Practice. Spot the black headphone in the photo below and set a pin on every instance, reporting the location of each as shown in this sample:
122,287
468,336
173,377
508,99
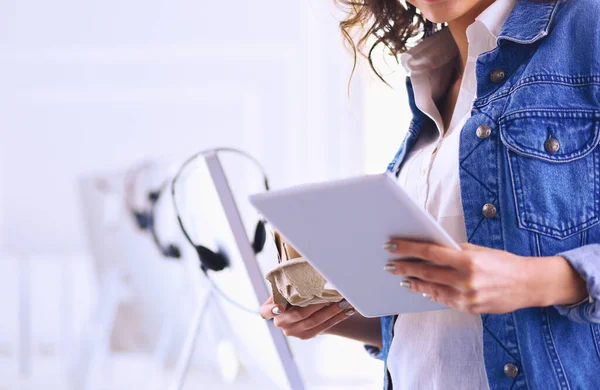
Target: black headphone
209,260
145,219
217,261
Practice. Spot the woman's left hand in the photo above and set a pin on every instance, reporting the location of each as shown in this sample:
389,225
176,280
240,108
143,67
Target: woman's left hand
483,280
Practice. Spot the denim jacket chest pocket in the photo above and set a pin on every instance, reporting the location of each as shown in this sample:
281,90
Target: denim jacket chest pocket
554,163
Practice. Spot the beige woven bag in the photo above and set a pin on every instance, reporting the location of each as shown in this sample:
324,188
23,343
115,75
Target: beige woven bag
294,281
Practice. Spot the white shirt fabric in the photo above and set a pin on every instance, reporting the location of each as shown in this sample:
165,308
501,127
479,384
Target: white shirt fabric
442,349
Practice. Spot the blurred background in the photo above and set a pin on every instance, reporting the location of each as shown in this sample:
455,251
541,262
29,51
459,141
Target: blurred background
100,102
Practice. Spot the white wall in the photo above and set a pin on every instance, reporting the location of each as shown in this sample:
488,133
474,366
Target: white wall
96,86
386,110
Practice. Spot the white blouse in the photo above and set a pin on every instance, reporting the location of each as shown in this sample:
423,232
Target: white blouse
442,349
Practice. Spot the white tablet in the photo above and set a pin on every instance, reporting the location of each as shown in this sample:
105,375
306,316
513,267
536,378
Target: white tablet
340,227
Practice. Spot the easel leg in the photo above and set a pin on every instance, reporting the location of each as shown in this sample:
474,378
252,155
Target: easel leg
183,363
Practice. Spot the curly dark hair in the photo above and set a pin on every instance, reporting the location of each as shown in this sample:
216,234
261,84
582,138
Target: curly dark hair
388,22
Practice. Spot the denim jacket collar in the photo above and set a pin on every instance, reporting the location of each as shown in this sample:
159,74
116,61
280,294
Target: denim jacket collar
529,21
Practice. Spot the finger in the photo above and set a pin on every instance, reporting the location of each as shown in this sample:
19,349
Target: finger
427,272
321,316
270,310
423,250
296,314
330,323
439,293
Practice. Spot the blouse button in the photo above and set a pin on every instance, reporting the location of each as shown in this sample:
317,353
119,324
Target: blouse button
552,145
497,76
510,370
483,131
489,210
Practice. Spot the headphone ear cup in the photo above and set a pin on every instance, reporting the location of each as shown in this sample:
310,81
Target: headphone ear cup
211,260
142,219
260,236
153,196
172,251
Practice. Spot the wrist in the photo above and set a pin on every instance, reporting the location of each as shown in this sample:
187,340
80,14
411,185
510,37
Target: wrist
538,283
558,283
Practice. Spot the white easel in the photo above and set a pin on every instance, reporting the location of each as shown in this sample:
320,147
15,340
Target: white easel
110,236
237,228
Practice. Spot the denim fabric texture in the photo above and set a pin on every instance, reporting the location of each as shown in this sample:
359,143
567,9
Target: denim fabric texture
540,167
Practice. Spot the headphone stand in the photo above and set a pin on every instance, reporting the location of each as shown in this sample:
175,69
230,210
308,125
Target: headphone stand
258,284
185,357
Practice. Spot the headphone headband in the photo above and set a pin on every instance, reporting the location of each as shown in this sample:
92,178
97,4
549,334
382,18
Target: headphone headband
170,250
142,217
193,158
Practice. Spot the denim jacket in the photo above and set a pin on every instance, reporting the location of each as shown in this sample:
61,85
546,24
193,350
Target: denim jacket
537,172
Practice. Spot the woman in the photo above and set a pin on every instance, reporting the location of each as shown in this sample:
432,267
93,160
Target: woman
503,151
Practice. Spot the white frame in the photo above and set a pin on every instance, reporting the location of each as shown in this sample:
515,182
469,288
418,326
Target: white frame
247,253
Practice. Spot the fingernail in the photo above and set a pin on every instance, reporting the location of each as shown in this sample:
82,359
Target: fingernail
344,304
351,312
405,283
389,267
426,296
276,310
390,246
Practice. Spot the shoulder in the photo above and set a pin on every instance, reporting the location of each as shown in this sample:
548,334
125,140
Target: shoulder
584,14
575,24
579,5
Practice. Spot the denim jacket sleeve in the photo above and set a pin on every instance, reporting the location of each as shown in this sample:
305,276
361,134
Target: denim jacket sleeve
586,261
387,332
376,352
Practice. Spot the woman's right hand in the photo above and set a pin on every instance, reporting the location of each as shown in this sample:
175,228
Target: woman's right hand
306,322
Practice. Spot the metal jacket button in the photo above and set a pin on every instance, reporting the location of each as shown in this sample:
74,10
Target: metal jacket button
489,210
483,131
510,370
497,76
552,145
